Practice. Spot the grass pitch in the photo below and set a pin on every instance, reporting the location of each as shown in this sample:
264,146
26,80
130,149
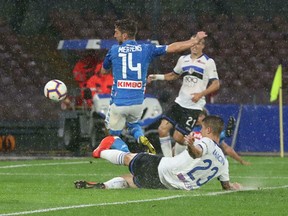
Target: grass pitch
45,187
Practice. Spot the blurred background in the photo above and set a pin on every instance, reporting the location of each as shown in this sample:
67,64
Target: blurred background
247,40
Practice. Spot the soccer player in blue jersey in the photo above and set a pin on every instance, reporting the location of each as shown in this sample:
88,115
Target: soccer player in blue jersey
129,62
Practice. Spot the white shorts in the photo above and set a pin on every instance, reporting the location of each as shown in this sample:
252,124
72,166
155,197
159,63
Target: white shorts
118,116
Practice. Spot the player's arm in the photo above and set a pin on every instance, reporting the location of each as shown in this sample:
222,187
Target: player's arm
230,152
107,64
168,77
213,87
195,151
104,71
184,45
226,185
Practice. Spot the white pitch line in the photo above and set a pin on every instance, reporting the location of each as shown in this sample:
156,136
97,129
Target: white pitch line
43,164
53,174
136,201
262,177
111,174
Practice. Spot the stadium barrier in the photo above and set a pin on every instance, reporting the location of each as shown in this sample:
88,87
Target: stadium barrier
258,131
31,137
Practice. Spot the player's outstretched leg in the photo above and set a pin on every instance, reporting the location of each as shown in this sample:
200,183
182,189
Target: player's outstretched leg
106,143
110,142
87,185
230,126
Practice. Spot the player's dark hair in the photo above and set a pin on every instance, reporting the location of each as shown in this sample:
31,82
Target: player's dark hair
215,123
127,26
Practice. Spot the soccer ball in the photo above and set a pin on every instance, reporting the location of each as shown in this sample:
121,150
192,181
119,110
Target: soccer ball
55,90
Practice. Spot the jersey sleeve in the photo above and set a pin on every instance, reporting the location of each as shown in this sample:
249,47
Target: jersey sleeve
107,63
225,175
203,143
178,68
158,50
212,70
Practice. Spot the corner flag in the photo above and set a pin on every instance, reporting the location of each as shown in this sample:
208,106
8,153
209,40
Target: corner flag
275,90
277,84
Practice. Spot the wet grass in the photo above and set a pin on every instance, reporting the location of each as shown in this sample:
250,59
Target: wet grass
45,187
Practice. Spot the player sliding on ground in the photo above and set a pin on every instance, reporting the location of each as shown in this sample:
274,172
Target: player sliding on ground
201,162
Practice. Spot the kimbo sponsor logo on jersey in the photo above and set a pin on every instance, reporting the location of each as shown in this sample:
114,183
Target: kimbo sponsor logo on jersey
129,84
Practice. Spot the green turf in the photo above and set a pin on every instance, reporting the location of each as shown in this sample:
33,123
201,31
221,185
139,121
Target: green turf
45,187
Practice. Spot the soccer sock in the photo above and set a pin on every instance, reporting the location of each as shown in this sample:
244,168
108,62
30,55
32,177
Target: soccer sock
222,136
114,156
179,148
119,144
116,183
135,130
166,146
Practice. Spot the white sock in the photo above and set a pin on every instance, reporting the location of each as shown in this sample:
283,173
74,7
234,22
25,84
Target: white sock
179,148
114,156
166,146
116,183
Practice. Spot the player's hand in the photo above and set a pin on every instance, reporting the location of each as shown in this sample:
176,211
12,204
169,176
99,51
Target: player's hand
245,163
151,77
196,97
236,186
189,139
200,35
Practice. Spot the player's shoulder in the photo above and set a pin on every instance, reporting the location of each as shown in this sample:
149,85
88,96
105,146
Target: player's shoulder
147,46
207,58
188,56
114,47
206,141
184,58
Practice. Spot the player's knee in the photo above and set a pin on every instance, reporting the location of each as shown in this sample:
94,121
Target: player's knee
163,130
128,157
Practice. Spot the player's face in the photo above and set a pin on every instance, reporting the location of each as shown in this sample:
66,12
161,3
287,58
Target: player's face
118,36
205,131
198,48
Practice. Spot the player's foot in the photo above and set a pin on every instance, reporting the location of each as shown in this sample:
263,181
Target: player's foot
144,141
86,185
106,143
230,126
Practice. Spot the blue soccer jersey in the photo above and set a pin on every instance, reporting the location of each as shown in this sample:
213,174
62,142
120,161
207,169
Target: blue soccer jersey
129,63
